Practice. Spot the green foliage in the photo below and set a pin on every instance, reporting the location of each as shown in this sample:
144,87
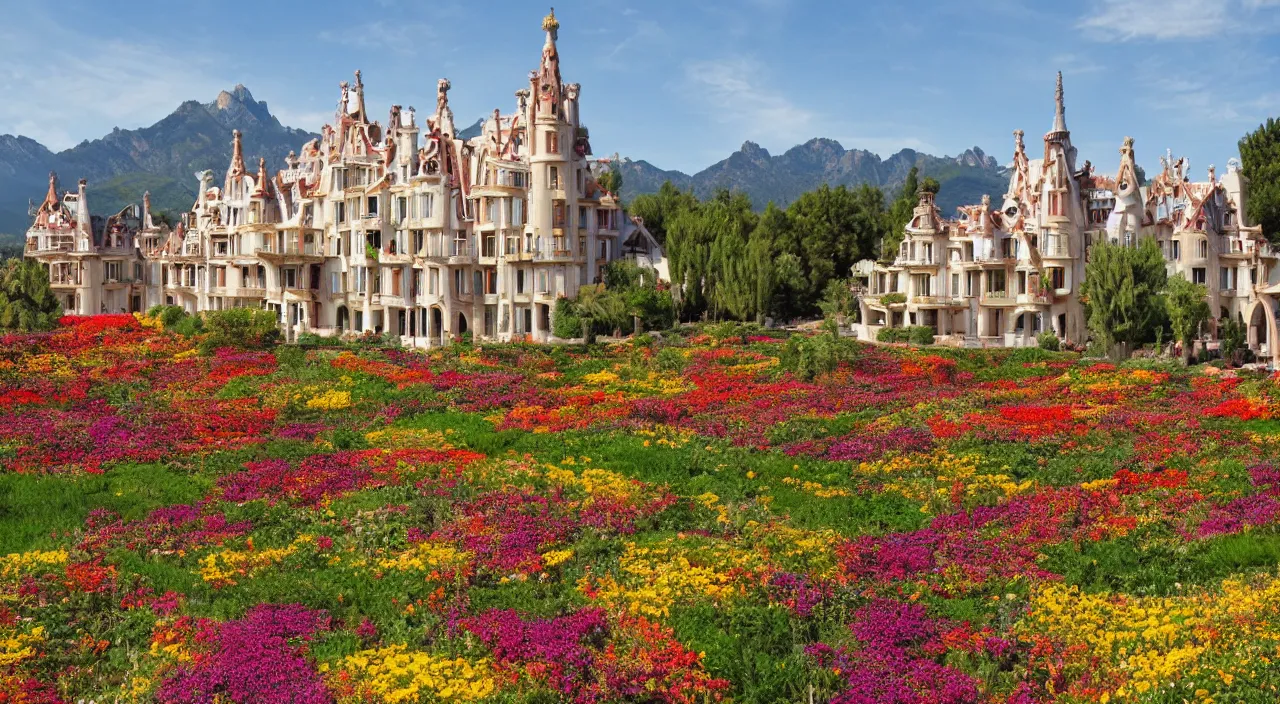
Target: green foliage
900,214
893,335
930,185
177,319
1048,341
832,229
246,328
1260,154
914,334
611,180
565,322
920,335
808,357
27,303
658,210
893,299
838,299
726,262
1232,333
1188,308
1121,292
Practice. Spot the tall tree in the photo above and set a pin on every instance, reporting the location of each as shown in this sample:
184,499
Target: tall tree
1121,291
1260,152
729,283
659,209
831,229
27,303
1187,307
899,215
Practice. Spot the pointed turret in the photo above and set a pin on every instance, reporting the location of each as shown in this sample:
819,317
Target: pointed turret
237,157
547,82
1060,116
47,215
263,181
51,198
444,114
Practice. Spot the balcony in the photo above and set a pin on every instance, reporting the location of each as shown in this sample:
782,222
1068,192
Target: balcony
918,261
1033,299
461,253
997,298
1056,251
291,250
50,244
937,301
552,254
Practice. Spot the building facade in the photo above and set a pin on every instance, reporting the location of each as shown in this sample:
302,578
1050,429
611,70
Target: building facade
1002,276
402,228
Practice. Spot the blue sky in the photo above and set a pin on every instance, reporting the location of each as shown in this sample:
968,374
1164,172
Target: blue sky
680,83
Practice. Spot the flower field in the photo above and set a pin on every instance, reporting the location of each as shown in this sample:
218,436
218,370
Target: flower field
682,522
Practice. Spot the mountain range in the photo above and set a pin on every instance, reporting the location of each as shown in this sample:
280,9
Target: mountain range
165,157
783,178
162,158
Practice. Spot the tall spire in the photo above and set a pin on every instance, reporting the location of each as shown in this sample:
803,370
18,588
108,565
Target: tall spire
52,196
237,156
1060,117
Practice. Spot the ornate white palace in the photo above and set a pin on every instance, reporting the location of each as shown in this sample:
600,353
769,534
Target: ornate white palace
402,228
1000,277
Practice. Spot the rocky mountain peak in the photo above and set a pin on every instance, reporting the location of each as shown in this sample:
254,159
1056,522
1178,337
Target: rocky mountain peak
237,108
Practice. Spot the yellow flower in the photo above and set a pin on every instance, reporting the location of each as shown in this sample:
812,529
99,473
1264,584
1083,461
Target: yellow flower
331,400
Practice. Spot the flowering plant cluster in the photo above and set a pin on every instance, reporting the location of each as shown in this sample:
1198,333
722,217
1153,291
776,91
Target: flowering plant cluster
684,522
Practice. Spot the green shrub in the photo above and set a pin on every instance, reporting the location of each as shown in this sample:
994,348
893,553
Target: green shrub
246,328
920,335
176,318
892,335
565,321
893,299
1048,341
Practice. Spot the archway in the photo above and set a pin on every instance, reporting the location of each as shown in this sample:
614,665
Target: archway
1259,331
436,332
344,319
462,324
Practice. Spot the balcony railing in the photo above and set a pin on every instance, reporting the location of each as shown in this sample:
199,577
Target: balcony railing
290,249
460,252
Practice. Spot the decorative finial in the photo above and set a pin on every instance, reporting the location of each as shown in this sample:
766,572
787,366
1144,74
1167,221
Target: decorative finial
550,23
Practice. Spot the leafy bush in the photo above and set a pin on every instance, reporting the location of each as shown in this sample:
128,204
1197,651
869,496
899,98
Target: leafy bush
1048,341
893,299
892,335
920,335
808,357
171,316
27,302
655,307
247,328
565,321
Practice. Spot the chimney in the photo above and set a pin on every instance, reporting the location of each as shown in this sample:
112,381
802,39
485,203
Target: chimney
83,222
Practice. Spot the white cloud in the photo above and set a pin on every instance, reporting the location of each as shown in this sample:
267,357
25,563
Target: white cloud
1177,19
60,81
736,92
